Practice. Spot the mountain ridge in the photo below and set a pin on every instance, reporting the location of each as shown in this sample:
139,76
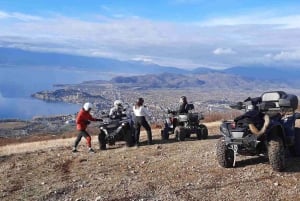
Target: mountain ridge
16,58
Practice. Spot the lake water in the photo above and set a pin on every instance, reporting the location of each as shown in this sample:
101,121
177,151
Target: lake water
18,83
26,108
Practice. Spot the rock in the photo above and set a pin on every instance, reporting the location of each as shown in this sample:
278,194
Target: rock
99,198
188,184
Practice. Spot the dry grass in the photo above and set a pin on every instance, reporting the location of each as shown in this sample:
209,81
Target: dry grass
219,116
168,170
12,125
164,171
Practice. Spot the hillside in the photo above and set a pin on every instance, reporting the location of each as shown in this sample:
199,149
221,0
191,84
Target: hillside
164,80
47,170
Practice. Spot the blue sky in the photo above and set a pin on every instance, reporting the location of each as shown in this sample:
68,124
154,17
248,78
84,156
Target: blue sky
182,33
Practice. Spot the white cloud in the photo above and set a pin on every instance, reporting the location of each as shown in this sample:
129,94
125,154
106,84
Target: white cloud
220,51
285,56
165,43
187,1
18,16
143,58
3,15
266,18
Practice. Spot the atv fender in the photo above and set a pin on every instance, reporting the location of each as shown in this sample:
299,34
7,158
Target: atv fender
277,129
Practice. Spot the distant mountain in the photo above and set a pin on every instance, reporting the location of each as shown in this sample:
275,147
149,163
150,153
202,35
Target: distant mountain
164,80
208,81
203,70
275,74
22,58
92,68
224,81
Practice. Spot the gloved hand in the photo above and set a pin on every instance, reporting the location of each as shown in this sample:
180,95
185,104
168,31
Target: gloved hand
87,122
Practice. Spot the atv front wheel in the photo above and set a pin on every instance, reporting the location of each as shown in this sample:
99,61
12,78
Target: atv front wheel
276,153
165,134
199,133
180,133
204,131
225,156
102,140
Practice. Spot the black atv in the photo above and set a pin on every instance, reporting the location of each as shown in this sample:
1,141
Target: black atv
116,128
266,128
183,125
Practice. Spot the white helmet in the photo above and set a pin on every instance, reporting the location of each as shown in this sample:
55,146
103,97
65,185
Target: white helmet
118,103
87,106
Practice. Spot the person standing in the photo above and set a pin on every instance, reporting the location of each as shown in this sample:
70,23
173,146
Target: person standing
82,121
140,113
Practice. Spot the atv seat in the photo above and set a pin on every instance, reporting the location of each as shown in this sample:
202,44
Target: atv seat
193,117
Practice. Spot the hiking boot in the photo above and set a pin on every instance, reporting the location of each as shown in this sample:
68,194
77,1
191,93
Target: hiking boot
74,150
91,150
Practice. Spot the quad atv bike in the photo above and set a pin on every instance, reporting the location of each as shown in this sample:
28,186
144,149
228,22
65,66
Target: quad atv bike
267,128
116,128
183,125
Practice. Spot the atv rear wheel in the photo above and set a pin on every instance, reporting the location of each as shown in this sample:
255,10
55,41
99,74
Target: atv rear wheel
165,134
204,131
276,153
225,156
180,133
199,133
128,137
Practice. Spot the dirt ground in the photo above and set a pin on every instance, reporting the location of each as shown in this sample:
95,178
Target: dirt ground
48,170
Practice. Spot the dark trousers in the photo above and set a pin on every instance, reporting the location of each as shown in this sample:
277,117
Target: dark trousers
141,121
84,134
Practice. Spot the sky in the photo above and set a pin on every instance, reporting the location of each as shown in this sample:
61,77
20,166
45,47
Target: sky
182,33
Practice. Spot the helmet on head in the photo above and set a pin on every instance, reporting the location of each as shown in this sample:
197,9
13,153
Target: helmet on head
118,103
88,106
183,99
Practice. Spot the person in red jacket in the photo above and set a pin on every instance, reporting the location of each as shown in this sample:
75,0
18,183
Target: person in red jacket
82,121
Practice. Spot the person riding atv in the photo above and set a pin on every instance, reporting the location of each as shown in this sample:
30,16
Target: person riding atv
116,126
117,110
267,128
183,123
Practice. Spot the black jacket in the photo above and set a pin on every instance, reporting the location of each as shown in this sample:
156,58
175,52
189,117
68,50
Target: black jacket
183,108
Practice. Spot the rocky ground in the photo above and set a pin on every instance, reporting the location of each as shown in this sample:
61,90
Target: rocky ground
164,171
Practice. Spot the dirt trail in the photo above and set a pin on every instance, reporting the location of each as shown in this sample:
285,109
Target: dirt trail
164,171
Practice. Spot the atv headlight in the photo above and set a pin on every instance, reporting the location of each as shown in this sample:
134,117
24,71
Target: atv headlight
224,130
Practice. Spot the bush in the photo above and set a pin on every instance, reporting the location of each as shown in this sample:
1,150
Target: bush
219,116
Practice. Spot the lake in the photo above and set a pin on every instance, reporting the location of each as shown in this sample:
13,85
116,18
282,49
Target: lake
26,108
18,83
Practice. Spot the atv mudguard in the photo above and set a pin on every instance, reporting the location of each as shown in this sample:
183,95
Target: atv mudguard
276,128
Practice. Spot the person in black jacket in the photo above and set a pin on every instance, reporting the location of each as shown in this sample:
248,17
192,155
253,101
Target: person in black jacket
183,105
